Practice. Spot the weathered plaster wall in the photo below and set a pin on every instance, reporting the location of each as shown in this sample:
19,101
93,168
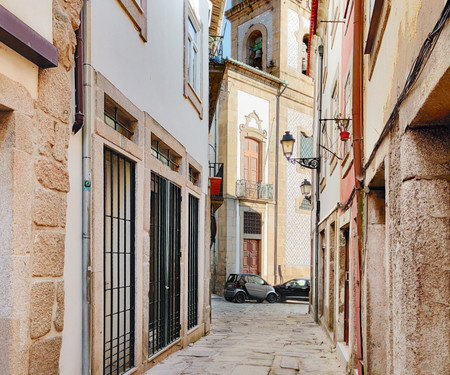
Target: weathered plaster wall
35,134
408,25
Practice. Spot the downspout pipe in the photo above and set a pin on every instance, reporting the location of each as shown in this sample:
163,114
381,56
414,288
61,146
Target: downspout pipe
357,115
317,194
277,151
86,195
79,97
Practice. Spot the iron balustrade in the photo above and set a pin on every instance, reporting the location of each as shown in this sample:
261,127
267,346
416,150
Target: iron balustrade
118,263
253,190
164,264
193,263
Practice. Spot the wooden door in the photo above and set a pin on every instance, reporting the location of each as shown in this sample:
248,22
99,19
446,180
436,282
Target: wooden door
251,257
347,289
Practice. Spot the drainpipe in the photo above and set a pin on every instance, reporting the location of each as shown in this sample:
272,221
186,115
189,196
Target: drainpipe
317,194
277,150
86,197
357,160
79,105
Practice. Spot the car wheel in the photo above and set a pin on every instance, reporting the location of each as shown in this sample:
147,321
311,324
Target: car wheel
229,299
272,298
239,298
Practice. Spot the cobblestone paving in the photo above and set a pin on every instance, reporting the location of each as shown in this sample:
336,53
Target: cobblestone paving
256,339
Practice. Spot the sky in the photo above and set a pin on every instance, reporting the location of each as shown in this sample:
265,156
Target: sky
227,35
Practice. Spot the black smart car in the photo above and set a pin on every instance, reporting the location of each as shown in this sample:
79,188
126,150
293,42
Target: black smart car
296,289
244,286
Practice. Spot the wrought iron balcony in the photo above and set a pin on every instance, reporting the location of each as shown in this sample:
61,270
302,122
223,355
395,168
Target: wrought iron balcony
253,190
216,72
216,170
216,48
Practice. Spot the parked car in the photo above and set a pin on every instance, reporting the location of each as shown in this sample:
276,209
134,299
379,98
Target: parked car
244,286
296,289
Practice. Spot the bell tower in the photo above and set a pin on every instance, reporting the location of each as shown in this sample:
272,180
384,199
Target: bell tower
271,35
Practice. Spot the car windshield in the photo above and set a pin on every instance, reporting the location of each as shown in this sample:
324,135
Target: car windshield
231,277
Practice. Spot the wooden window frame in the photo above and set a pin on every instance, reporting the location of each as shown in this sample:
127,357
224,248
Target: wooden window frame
192,94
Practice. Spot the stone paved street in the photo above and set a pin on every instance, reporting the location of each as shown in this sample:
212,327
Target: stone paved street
256,339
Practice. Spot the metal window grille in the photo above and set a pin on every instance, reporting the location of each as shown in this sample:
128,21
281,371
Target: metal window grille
164,264
193,263
119,263
252,223
112,119
306,146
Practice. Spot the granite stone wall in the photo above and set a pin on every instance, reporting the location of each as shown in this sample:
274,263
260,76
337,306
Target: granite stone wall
34,139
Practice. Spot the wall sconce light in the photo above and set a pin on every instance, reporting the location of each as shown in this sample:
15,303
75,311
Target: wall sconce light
305,188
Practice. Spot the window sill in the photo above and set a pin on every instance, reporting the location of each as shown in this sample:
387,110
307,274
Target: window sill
138,15
333,164
347,163
192,96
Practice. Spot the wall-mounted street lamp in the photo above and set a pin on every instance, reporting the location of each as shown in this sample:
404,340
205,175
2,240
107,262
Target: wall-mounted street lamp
305,189
287,143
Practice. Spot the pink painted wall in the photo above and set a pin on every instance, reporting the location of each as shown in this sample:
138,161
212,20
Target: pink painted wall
347,182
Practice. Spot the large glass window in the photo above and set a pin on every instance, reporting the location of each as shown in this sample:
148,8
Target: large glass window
119,263
193,67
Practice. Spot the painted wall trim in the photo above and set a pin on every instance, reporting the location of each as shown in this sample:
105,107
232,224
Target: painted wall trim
20,37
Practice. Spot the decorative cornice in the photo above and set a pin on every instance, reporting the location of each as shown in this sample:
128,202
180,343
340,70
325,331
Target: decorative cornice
255,71
246,6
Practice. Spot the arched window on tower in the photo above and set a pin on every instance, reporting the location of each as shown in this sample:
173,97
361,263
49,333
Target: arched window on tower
255,49
305,48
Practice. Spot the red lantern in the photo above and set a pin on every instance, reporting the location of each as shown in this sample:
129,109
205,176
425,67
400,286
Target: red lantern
214,185
345,136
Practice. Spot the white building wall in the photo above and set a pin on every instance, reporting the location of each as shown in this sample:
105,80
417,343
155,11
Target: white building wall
151,74
298,225
330,195
247,104
70,360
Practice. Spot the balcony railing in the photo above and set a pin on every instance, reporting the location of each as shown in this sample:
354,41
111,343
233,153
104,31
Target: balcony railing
253,190
216,48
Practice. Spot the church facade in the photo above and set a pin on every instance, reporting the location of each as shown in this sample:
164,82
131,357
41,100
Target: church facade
263,226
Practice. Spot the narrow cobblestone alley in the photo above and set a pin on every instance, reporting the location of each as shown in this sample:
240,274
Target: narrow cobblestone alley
256,339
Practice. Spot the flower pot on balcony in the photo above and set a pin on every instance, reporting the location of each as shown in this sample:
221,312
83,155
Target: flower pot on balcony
345,136
214,185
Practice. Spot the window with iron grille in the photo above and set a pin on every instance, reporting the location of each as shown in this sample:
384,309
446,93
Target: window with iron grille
119,263
252,223
164,264
305,205
306,146
118,119
165,154
193,263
